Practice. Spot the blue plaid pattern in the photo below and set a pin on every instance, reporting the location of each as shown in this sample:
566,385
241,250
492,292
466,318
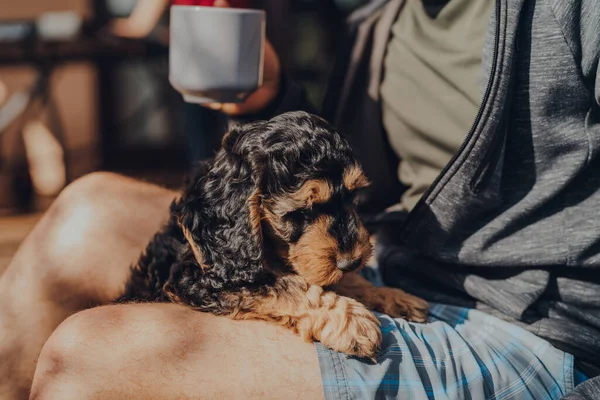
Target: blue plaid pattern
460,353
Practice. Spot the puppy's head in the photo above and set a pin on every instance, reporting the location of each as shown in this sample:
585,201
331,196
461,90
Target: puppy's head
289,184
309,191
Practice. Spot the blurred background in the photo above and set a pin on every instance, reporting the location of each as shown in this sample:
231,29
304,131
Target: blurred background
84,87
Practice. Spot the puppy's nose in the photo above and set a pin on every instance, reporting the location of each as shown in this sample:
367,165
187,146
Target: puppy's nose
348,265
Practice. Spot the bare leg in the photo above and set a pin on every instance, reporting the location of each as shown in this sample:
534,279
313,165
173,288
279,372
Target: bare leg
76,257
166,351
391,301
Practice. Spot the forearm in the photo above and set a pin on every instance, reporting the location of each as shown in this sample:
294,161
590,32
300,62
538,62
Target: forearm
291,96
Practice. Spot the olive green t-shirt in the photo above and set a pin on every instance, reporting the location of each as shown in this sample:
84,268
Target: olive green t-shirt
431,88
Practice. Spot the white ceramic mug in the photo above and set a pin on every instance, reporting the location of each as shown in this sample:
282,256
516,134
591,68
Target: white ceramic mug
216,54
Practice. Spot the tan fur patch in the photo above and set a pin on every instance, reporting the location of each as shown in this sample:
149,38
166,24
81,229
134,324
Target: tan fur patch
340,323
355,179
196,250
255,214
275,223
314,256
312,192
173,298
363,248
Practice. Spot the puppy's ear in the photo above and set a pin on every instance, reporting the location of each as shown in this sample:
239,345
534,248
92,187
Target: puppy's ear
220,214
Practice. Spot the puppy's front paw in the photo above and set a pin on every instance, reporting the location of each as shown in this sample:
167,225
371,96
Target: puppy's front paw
352,329
398,304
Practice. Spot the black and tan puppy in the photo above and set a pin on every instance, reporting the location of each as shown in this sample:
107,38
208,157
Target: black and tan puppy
268,230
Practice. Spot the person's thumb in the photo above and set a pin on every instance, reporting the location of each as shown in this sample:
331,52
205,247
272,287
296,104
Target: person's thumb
221,3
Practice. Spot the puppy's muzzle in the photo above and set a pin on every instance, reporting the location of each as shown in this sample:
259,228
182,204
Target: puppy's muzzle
349,265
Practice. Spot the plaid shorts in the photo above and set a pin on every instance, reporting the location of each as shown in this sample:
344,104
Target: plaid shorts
460,353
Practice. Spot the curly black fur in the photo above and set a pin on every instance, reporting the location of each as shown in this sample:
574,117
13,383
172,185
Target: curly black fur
267,159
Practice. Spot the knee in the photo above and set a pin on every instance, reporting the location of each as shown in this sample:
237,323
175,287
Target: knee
85,199
72,225
65,361
96,216
102,200
79,207
87,187
104,347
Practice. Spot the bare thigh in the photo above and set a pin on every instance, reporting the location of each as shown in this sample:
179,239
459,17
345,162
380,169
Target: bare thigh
165,351
76,257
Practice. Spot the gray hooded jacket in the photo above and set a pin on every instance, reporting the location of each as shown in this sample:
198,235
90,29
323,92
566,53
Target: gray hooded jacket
512,224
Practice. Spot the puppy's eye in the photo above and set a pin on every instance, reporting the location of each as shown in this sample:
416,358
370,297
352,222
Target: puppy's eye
297,222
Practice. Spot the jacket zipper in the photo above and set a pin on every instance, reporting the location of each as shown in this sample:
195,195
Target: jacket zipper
421,203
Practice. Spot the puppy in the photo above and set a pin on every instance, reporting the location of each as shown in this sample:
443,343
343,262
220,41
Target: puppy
268,230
